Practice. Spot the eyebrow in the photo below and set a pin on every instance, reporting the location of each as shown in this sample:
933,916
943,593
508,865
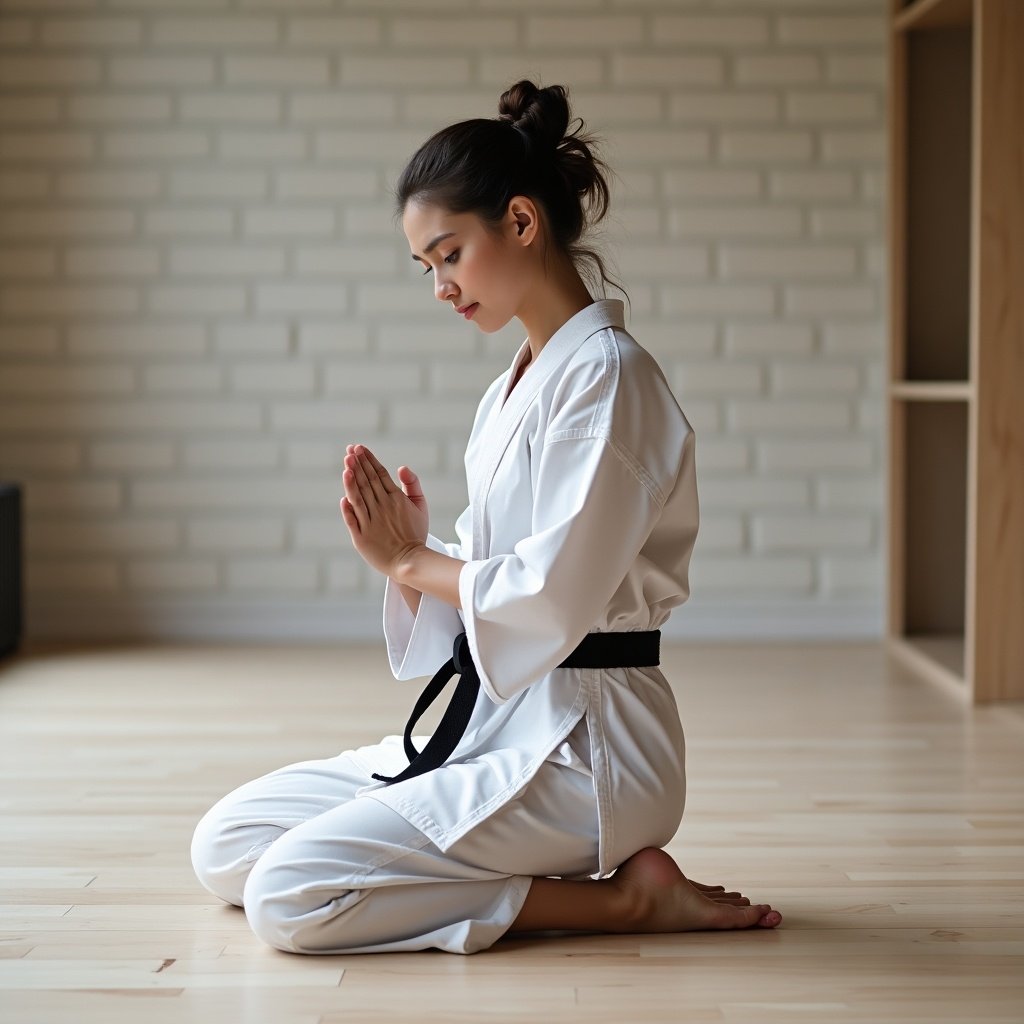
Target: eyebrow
440,238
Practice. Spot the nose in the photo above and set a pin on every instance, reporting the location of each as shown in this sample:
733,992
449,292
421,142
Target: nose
444,290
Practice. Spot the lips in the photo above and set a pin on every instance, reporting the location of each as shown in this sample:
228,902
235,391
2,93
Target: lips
464,310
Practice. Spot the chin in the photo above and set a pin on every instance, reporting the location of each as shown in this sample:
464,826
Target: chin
493,326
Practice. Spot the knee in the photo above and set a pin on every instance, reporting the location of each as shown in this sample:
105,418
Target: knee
287,912
218,860
268,908
205,861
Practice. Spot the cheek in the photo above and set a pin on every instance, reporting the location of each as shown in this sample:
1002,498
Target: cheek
488,282
483,264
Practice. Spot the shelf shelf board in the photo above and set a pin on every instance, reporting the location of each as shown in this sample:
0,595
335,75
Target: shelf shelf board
931,390
933,14
939,657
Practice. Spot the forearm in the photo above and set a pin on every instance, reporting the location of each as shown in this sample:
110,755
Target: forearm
430,572
412,597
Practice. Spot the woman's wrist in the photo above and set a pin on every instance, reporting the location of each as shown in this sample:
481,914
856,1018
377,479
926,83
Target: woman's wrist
430,572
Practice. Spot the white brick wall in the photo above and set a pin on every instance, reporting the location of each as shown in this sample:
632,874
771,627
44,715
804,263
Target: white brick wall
203,297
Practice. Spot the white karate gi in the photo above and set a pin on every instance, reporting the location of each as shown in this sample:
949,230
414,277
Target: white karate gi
583,515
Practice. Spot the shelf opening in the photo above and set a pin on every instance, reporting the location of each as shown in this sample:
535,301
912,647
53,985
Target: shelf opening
938,204
935,530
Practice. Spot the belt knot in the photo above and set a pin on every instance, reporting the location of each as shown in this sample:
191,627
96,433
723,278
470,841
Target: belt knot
461,656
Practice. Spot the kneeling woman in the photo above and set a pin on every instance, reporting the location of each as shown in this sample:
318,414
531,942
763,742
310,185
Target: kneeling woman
544,798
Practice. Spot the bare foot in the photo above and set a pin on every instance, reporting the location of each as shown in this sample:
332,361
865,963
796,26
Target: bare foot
665,900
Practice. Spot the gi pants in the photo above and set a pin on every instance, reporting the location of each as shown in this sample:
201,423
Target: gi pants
319,870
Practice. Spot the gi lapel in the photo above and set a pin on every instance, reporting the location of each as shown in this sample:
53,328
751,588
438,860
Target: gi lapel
503,423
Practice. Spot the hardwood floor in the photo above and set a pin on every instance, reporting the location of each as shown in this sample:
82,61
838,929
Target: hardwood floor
882,816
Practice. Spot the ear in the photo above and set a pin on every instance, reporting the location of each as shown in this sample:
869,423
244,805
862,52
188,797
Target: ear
523,217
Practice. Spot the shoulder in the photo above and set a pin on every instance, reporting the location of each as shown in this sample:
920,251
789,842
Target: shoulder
612,387
609,381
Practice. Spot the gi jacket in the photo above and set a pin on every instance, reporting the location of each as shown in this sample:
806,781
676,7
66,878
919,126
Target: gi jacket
583,515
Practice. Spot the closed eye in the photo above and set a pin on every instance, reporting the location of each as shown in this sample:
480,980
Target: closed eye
447,259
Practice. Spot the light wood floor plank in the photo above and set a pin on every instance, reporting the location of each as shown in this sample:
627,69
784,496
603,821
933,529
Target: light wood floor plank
881,816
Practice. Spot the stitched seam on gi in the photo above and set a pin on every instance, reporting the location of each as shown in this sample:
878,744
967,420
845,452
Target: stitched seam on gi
638,469
610,358
624,454
599,763
389,857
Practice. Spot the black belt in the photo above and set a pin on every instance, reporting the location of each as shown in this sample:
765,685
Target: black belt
596,650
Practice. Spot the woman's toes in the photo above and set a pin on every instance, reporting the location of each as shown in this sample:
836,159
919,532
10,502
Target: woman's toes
726,916
750,915
705,888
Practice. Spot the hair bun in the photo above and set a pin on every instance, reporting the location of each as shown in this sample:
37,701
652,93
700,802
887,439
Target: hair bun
541,114
479,165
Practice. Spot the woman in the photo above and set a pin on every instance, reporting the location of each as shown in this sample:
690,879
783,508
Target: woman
545,806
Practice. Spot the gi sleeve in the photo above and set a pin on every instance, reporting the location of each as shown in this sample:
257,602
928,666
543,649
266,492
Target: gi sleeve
525,612
418,645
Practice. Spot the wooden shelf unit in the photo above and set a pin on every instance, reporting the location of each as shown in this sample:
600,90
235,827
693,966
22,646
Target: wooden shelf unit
956,343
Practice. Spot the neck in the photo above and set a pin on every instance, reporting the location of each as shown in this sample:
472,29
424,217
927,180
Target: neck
551,307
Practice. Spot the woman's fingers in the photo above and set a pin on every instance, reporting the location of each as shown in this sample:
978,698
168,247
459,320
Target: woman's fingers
368,479
414,489
355,501
374,465
353,491
349,513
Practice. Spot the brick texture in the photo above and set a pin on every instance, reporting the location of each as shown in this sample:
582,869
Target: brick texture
204,297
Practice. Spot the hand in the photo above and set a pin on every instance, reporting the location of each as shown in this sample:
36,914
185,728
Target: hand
410,484
384,522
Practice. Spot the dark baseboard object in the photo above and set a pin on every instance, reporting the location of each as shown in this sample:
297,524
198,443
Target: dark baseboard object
10,569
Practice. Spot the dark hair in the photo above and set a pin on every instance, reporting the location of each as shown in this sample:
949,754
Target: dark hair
477,166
